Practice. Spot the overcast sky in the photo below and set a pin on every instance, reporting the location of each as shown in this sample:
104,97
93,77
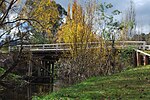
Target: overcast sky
142,10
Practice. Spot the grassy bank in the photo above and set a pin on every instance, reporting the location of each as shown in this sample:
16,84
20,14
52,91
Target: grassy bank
133,84
147,51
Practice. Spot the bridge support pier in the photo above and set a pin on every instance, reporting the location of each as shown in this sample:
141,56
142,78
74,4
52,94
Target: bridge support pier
139,59
39,69
52,75
134,56
142,58
146,59
30,66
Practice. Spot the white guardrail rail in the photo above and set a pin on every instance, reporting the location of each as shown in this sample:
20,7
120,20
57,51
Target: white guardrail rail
68,46
144,53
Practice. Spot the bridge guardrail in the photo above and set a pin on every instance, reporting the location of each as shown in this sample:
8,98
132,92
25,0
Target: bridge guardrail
144,53
68,46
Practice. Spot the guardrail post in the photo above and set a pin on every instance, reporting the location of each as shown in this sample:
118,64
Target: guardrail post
19,48
144,43
123,45
148,47
30,47
43,46
56,47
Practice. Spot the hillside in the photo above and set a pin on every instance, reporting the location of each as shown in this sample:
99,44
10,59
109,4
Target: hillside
133,84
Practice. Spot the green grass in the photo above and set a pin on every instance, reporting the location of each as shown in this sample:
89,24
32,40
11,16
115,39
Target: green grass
133,84
147,52
4,49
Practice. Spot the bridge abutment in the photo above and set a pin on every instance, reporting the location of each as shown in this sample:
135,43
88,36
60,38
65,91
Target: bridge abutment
146,60
139,59
41,66
142,58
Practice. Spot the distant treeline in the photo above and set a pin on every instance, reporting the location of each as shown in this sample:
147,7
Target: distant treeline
142,37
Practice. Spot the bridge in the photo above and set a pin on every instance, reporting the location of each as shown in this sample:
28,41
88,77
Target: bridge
45,55
67,46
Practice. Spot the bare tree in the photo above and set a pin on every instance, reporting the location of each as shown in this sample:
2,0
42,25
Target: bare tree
129,21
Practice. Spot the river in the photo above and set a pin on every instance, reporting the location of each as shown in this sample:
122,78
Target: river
25,93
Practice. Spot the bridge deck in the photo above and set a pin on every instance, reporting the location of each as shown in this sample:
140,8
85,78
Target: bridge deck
68,46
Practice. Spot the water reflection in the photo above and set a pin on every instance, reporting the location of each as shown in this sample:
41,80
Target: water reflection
26,92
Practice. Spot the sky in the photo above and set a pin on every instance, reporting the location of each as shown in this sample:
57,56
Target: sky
141,6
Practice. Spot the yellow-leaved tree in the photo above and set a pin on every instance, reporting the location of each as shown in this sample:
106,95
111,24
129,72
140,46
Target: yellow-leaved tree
46,13
76,31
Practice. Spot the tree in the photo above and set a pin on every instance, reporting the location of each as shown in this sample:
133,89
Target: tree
142,37
76,30
48,13
129,22
80,30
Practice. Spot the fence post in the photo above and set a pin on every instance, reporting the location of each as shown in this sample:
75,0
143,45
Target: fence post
30,47
144,43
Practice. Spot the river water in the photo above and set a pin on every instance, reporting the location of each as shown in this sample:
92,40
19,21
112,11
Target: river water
25,93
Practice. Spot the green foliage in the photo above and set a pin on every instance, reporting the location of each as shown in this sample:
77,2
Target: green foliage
116,12
142,37
147,51
1,70
126,57
108,6
107,20
49,17
11,76
38,38
132,84
125,53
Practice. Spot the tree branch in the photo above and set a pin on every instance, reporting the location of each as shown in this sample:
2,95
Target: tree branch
10,29
28,20
7,11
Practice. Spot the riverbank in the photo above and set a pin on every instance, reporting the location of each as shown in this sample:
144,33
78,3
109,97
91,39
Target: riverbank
130,84
11,81
12,87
